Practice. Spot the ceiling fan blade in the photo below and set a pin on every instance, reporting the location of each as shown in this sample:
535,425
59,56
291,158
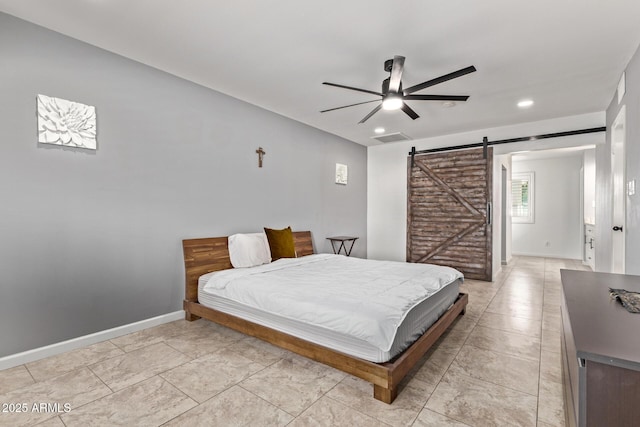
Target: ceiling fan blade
396,73
409,111
368,116
352,105
435,97
352,88
440,79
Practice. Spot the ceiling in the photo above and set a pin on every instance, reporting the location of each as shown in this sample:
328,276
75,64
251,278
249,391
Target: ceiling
522,156
566,55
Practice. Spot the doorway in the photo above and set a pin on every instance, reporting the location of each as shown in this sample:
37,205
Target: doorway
618,137
503,243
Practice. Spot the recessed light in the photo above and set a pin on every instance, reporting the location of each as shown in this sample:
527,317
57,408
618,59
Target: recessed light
379,130
448,104
525,103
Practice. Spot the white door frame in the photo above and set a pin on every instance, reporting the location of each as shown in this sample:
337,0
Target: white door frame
503,215
618,193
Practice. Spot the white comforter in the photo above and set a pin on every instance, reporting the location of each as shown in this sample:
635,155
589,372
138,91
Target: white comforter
366,299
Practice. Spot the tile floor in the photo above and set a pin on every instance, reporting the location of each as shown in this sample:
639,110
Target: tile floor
497,365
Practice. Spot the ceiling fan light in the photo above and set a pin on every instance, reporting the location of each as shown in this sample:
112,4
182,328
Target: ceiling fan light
392,102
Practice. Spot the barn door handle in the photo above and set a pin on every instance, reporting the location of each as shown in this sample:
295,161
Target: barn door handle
488,213
617,228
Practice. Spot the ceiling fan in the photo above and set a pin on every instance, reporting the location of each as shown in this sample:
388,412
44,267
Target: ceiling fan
393,96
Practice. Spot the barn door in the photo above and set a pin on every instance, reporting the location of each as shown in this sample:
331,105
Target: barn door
448,196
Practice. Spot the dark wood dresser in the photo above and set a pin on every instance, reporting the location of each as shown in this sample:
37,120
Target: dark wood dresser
600,351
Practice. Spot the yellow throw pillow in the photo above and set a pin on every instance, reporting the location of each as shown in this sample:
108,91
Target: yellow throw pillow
281,243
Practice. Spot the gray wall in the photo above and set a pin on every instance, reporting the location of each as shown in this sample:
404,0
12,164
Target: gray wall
92,240
603,177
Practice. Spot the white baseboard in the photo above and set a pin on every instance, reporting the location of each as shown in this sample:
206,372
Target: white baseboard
496,273
539,255
72,344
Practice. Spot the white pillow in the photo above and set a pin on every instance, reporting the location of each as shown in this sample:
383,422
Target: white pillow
249,250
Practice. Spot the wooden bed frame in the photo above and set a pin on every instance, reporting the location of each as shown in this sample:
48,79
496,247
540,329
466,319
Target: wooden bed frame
202,256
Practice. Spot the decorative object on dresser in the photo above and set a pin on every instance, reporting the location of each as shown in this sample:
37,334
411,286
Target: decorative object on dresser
629,300
66,123
600,351
204,256
341,240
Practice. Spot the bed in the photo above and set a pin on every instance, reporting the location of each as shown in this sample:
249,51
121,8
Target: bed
204,256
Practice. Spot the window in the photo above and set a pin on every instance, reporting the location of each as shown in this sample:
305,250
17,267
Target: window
522,206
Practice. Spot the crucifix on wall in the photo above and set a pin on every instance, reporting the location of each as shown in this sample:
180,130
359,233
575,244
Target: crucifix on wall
261,153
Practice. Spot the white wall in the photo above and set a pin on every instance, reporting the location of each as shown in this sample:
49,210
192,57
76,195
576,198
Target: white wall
556,231
387,174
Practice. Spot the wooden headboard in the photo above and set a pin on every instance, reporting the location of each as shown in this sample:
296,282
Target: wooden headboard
202,256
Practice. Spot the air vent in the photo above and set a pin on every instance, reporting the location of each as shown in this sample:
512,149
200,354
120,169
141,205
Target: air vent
392,137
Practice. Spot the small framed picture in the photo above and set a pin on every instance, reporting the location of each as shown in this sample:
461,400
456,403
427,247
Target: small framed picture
341,174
